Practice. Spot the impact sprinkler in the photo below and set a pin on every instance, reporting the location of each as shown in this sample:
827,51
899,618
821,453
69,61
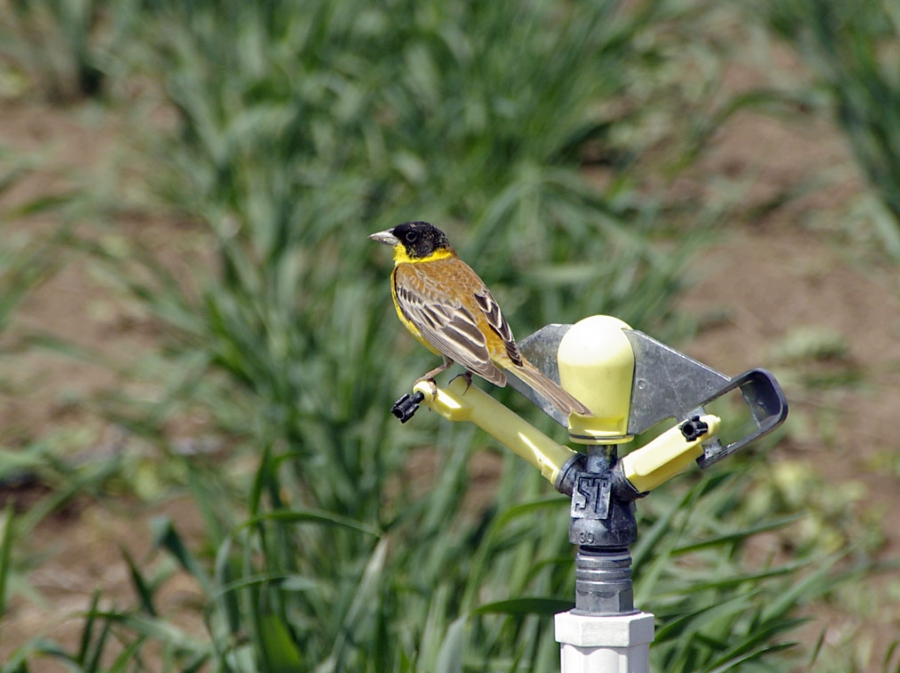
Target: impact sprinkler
631,382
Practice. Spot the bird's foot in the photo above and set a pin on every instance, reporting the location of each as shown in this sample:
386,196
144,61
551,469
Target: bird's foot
432,386
467,375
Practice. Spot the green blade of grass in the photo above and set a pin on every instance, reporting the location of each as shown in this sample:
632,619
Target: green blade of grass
527,605
166,537
450,655
143,589
312,516
6,544
278,651
87,631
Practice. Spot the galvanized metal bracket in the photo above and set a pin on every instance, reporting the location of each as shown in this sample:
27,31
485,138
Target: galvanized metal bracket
667,384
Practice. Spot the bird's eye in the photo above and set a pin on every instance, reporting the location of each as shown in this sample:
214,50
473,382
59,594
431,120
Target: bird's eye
411,236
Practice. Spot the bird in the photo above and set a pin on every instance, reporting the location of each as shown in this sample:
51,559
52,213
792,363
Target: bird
448,309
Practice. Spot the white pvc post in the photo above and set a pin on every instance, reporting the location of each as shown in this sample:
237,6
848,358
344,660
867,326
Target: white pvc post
604,644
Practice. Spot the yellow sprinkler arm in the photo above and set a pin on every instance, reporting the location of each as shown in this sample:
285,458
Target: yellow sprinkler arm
456,403
645,468
669,454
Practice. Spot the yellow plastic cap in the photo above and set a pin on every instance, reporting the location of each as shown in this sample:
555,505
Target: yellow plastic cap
596,365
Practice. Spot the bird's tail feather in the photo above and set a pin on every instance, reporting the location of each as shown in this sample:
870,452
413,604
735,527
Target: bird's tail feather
549,389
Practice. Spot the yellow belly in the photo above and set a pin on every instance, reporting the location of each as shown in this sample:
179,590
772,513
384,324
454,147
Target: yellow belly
407,324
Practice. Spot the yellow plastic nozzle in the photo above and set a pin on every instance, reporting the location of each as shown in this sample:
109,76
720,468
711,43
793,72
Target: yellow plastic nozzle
596,365
457,403
666,456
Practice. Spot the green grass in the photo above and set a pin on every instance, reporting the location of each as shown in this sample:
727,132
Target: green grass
302,127
62,50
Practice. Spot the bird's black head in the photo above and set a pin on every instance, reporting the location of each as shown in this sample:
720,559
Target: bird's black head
420,239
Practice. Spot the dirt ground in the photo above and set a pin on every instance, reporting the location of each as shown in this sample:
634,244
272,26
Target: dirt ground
754,290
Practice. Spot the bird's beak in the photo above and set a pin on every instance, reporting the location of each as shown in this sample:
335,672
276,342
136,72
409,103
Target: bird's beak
385,237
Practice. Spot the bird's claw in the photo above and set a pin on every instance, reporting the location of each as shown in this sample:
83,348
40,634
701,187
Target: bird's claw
467,376
406,407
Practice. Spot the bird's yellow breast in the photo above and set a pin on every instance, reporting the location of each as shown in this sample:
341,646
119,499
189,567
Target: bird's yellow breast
402,257
406,323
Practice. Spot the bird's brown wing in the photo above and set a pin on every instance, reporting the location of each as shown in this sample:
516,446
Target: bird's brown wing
518,365
444,322
497,322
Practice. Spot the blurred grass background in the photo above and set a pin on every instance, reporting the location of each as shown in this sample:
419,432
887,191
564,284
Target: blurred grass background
261,142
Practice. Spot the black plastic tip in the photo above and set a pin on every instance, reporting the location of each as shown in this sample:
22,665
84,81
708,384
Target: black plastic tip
694,428
406,407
